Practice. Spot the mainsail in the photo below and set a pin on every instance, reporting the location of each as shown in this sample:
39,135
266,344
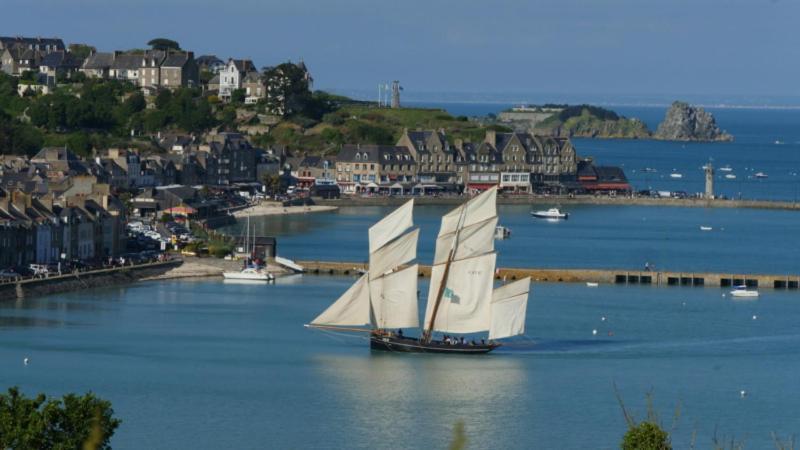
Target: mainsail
462,276
508,309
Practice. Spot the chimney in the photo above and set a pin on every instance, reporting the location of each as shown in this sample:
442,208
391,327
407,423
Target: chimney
459,144
491,137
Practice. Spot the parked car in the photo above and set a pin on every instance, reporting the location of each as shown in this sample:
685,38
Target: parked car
8,274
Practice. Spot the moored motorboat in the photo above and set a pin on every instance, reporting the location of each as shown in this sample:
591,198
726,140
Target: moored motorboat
592,284
742,291
705,228
676,175
730,176
501,232
726,169
249,273
761,175
552,213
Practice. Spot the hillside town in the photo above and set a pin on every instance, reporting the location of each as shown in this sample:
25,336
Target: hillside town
61,204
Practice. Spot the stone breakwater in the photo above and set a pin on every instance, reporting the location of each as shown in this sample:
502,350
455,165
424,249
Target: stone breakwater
565,200
621,276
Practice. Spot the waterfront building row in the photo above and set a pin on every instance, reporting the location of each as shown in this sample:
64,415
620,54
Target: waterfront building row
49,229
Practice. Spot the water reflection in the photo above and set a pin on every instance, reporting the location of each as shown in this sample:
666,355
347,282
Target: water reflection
409,399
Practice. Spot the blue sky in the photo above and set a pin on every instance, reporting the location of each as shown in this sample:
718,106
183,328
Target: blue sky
601,47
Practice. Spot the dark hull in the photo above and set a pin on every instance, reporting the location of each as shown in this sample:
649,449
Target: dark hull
412,345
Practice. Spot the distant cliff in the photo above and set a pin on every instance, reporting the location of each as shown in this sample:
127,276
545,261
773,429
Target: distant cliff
592,122
684,122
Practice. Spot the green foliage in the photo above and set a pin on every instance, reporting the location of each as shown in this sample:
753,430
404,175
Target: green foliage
28,75
596,111
164,44
17,138
166,217
459,441
272,183
237,96
646,436
81,50
72,422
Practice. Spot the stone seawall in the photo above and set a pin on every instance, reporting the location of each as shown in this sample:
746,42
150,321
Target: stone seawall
36,287
564,200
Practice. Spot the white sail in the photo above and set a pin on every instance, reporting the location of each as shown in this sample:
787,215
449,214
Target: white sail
352,308
394,299
509,303
393,254
391,226
466,301
473,240
479,209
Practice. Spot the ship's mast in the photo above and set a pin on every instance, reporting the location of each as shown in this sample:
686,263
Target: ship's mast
426,336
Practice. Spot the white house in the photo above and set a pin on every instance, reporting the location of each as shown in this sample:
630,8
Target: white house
232,76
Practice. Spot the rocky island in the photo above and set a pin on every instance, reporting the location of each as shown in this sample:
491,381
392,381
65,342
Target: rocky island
573,121
684,122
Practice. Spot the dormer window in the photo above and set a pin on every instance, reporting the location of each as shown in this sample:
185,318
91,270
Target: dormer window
358,156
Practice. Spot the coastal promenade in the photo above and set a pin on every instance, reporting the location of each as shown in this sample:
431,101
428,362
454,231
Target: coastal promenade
75,281
564,200
654,278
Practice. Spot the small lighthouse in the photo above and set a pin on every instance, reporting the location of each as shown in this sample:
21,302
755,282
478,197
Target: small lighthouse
709,169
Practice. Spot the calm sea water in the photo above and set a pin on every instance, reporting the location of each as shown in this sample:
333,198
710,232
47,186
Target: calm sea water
743,240
204,364
767,140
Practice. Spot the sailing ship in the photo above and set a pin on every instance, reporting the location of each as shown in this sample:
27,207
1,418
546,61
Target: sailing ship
461,299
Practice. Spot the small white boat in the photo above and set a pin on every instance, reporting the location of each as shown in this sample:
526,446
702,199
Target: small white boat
501,232
649,170
730,176
761,175
592,284
552,213
743,292
778,142
676,175
249,273
705,228
726,169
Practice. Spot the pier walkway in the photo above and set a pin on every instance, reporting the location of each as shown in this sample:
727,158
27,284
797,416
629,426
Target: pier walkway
605,276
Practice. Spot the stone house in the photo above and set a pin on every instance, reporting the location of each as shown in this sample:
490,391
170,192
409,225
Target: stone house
59,64
254,88
17,60
179,69
358,168
97,65
126,67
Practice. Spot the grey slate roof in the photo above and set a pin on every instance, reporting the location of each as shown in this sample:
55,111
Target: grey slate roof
177,59
99,61
11,41
126,61
61,59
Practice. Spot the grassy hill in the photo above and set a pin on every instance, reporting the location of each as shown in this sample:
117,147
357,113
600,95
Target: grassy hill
367,124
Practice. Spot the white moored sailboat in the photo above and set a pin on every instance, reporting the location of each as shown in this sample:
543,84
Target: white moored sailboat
461,298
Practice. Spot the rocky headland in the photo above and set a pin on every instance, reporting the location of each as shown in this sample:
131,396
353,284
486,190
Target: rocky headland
684,122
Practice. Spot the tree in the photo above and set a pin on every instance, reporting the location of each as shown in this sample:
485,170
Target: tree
272,183
70,422
81,50
237,96
164,44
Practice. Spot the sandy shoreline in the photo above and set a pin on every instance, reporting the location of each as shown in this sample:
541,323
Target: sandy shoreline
272,209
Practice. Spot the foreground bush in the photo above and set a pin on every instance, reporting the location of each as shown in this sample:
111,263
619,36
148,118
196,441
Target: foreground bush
72,422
